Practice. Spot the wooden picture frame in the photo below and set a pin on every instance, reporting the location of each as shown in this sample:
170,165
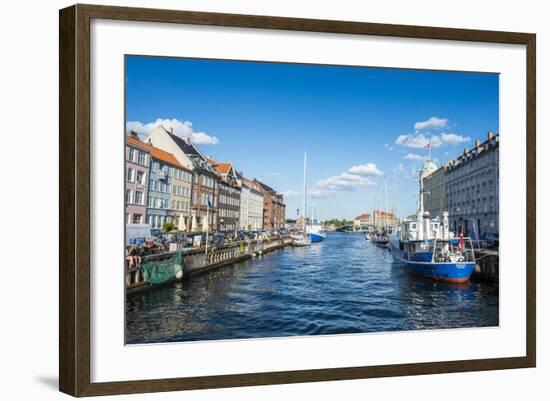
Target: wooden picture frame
75,207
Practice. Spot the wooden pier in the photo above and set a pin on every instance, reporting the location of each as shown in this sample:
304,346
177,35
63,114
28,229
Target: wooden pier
486,265
197,260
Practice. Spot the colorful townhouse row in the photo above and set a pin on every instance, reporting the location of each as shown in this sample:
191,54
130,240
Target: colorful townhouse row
168,179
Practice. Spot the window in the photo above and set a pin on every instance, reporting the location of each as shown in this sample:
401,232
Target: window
141,157
131,154
137,219
129,196
130,175
140,177
139,197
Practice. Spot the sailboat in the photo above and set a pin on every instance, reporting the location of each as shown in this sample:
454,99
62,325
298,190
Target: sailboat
315,231
302,239
382,238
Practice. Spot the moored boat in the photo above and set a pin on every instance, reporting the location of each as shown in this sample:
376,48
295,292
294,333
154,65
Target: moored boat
381,239
316,233
426,247
301,240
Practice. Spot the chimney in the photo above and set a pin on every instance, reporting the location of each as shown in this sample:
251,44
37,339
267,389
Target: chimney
172,130
465,151
478,143
490,135
188,140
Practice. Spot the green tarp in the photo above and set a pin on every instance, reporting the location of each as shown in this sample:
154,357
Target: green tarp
161,271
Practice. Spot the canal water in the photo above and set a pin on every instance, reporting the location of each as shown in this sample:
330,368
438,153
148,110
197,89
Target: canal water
342,285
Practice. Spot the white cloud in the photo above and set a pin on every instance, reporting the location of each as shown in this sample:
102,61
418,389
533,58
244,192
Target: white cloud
432,122
320,193
290,193
181,128
419,141
365,169
414,156
355,178
454,139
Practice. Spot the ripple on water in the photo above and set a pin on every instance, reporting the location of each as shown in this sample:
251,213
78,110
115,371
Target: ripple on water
343,285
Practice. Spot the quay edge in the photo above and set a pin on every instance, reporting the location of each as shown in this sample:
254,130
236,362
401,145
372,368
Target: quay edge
194,262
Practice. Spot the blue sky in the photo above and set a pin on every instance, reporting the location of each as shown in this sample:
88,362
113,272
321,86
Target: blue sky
357,124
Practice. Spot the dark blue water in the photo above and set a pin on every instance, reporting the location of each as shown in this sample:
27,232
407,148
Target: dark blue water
342,285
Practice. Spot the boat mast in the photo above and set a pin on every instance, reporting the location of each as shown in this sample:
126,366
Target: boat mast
420,216
378,205
385,205
421,195
304,213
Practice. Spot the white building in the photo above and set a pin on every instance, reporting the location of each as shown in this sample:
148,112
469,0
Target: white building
252,203
434,191
472,188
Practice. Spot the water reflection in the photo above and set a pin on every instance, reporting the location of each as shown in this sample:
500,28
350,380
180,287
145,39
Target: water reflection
342,285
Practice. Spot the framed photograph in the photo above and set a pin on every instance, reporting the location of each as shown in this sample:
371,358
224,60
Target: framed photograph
250,200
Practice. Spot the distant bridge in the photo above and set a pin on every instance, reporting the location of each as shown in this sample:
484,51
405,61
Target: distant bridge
352,228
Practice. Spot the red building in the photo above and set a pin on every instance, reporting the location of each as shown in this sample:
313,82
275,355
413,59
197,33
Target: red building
274,208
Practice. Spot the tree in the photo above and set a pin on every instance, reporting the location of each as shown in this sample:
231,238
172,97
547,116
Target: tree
338,223
168,226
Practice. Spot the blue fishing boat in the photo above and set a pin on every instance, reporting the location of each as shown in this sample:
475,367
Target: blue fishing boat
316,233
426,247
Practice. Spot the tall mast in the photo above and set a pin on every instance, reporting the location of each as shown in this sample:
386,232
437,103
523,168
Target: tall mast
385,204
421,195
394,195
378,207
304,213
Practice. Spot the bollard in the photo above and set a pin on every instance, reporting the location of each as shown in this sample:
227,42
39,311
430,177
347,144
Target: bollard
136,277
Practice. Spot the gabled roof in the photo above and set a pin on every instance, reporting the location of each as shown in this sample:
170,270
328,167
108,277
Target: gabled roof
131,139
165,157
156,153
264,186
186,148
220,167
